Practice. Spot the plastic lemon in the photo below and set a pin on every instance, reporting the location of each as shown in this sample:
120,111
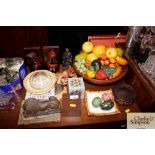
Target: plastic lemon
82,55
119,52
90,74
87,47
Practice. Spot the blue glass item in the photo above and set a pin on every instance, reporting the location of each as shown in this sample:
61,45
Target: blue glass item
5,101
12,74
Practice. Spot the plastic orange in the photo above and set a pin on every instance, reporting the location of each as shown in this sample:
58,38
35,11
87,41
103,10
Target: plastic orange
103,57
122,61
99,50
112,65
113,60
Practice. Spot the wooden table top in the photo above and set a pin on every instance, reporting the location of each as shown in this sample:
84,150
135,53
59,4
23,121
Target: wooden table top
9,118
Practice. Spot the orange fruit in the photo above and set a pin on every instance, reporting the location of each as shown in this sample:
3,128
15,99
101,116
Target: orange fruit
112,65
102,62
103,57
113,60
122,61
99,50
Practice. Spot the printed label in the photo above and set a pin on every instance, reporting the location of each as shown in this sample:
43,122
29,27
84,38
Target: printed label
73,97
141,120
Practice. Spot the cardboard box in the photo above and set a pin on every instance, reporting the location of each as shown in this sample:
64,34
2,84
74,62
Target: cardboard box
76,86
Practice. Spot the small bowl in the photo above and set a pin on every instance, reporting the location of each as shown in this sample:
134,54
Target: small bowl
124,94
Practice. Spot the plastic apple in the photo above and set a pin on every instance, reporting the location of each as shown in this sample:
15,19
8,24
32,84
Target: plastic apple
111,53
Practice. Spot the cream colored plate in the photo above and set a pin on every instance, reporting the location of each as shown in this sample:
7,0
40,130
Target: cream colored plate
98,111
37,86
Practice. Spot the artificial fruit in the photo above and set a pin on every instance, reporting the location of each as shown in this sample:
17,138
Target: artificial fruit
111,53
87,47
101,75
99,50
90,58
122,61
119,52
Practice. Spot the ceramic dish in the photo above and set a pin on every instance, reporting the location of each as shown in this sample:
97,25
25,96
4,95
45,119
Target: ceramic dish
40,81
90,95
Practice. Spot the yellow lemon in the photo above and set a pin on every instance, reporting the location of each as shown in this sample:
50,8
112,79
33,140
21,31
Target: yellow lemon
87,47
119,52
90,74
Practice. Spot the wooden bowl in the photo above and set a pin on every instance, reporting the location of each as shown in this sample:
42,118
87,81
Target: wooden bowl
103,82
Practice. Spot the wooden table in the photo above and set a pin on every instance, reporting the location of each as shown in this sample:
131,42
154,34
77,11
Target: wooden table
9,118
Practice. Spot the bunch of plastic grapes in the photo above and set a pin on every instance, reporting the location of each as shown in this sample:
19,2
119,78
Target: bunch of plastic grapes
80,65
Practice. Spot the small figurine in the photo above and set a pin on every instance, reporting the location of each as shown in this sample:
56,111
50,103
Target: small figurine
52,62
68,73
67,58
33,61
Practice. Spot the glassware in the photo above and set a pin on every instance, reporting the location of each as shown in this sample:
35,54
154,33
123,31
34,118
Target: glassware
149,66
133,35
40,80
5,101
140,50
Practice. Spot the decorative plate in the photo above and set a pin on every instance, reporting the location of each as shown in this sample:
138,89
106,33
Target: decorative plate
40,81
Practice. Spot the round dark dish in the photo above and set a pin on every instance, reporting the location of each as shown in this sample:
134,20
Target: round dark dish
124,94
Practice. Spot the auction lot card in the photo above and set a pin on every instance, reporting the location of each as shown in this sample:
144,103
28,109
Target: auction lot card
141,120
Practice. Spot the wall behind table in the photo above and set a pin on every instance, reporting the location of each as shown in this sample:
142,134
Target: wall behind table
14,38
74,36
